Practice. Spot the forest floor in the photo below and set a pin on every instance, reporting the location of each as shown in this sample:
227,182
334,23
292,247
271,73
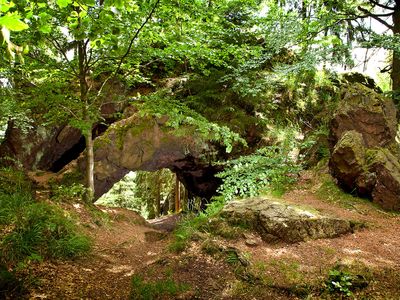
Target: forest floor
126,246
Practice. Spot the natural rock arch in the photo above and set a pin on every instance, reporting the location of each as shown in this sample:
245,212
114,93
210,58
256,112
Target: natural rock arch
145,143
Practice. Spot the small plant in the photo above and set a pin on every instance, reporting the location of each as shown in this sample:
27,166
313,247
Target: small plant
193,224
142,290
340,282
64,193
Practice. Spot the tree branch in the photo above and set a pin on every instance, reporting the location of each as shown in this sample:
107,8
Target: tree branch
136,35
376,3
59,48
128,50
376,17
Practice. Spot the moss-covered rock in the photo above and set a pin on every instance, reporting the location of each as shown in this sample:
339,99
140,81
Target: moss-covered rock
386,191
348,158
144,143
367,112
365,154
276,220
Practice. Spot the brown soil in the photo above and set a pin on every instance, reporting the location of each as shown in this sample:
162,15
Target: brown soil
121,248
126,246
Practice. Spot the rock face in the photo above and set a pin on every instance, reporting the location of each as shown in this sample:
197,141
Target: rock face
140,143
367,112
275,220
365,154
39,147
50,148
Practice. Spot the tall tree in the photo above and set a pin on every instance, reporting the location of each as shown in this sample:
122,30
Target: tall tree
78,48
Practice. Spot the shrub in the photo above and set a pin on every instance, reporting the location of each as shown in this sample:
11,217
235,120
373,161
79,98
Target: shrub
269,168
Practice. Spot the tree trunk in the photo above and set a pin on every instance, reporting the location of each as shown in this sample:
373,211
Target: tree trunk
395,75
89,166
158,194
87,132
177,194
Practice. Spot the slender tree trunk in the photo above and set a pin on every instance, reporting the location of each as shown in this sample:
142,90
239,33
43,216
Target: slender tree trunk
177,194
158,193
87,132
395,75
89,166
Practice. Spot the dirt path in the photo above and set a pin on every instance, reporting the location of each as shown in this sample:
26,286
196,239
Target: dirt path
121,248
127,246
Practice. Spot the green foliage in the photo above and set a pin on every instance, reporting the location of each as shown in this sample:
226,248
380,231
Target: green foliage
270,168
10,20
339,282
142,290
190,225
64,193
163,104
12,180
36,229
31,231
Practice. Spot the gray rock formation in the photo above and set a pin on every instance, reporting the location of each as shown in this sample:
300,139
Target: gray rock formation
276,220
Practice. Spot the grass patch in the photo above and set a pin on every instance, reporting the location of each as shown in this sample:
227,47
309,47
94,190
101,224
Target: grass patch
192,225
208,223
31,231
39,229
143,290
329,191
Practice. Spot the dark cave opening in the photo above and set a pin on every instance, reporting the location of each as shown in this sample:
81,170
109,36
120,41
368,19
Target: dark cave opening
69,155
74,152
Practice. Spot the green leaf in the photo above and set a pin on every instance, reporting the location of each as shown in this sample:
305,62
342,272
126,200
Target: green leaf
12,22
45,28
63,3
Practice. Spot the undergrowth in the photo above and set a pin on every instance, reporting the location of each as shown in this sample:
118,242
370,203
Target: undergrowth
268,169
31,231
192,224
328,190
143,290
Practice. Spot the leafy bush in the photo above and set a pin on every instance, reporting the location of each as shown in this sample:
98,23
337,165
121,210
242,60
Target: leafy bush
64,193
269,168
142,290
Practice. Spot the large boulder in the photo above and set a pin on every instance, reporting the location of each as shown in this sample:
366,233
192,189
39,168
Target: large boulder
386,191
276,220
367,112
348,158
365,154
